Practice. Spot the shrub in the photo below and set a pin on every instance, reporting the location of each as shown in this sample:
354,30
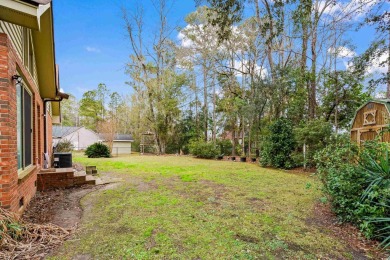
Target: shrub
97,150
278,145
63,146
336,155
315,135
201,149
225,146
358,183
375,167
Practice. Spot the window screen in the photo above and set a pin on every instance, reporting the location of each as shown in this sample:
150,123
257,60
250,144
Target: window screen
27,129
24,126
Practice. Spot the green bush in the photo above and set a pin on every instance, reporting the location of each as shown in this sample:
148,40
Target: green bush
278,145
225,147
201,149
358,184
98,150
315,135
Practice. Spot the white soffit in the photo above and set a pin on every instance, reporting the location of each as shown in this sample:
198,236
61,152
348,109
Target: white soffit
21,13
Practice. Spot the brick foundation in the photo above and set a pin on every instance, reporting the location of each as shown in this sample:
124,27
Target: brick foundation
16,190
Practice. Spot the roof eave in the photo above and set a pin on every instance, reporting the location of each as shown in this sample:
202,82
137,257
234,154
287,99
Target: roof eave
45,56
24,13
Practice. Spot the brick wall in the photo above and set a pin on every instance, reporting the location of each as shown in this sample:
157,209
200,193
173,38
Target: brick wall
14,189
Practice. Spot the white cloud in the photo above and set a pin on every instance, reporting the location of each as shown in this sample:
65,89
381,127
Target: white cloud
353,9
244,66
380,95
82,90
92,49
197,36
329,8
378,64
184,41
361,7
342,52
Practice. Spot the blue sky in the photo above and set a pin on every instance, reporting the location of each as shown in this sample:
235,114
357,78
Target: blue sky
91,43
92,47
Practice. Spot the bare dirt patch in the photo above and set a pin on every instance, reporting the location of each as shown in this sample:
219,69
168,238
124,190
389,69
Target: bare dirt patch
60,207
248,239
361,248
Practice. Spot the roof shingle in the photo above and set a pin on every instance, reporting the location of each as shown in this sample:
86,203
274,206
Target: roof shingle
61,131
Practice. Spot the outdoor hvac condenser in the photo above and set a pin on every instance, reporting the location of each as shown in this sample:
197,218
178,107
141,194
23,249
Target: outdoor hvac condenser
62,160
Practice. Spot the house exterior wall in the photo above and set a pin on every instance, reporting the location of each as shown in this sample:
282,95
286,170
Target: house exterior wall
17,189
370,120
80,139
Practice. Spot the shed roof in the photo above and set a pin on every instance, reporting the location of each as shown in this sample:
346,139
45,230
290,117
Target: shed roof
62,131
385,102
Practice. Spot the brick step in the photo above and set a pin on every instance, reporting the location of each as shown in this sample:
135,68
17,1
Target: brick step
62,178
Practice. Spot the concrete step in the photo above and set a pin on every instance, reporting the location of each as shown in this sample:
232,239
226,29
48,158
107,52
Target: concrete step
90,180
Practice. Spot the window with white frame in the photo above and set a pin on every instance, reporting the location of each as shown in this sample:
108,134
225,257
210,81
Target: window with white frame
24,126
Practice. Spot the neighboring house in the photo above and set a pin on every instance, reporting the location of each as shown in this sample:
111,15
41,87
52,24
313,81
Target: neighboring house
80,137
121,143
371,119
29,97
228,135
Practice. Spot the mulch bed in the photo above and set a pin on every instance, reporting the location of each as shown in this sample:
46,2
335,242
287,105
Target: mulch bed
360,247
50,219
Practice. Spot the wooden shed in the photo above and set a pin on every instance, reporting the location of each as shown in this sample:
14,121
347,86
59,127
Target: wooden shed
371,119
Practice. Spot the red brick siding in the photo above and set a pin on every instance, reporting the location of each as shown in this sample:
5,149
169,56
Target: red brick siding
10,190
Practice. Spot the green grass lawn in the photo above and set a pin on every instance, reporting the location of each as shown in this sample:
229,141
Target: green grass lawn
181,207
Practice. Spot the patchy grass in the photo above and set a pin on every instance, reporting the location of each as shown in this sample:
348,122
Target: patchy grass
180,207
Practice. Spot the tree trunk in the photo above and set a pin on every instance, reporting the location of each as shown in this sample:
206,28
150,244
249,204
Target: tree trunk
313,76
234,141
214,131
205,107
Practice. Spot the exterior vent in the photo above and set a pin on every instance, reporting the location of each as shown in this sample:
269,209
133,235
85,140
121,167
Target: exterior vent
21,202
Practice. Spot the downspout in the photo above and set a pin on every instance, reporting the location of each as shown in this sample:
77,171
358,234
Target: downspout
59,98
45,149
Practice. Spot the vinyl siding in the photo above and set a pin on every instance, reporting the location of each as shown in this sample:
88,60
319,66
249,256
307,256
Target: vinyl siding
21,40
15,33
121,147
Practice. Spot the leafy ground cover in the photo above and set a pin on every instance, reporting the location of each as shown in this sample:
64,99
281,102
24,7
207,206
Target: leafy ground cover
181,207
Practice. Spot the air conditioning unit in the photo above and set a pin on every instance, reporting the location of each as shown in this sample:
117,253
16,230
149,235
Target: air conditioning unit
62,160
